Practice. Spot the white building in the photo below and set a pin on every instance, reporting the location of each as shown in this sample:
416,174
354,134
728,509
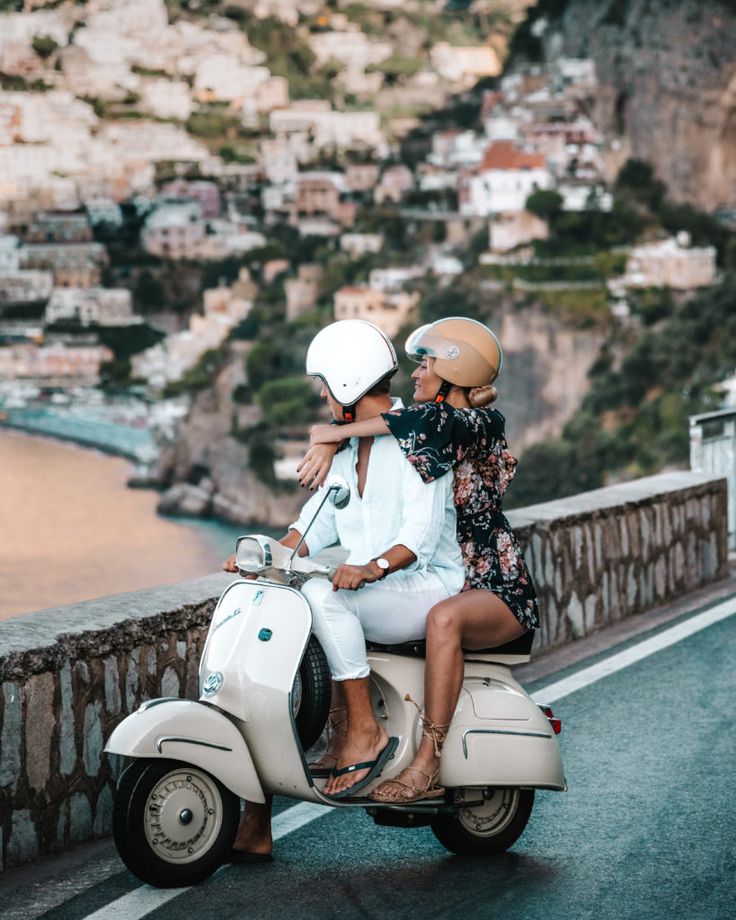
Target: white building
25,286
166,98
103,211
96,305
174,230
223,78
393,279
457,148
503,181
170,359
671,263
353,49
389,311
280,165
508,230
361,244
9,253
464,65
53,363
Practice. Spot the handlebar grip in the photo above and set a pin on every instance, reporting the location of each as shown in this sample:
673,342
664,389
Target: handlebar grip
331,574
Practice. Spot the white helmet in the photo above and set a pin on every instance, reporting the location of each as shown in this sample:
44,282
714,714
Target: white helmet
350,357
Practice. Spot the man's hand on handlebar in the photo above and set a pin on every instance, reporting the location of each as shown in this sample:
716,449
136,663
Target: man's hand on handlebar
352,577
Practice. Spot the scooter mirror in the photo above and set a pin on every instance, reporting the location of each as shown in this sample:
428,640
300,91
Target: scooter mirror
338,491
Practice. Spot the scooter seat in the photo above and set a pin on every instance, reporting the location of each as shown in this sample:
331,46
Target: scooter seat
418,648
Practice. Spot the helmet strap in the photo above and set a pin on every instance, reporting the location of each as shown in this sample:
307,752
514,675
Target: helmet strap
443,391
348,413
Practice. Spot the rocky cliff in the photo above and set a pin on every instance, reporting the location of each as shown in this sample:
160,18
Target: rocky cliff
667,85
544,377
209,470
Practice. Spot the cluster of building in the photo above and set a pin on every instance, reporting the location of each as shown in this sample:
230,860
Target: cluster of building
66,168
52,276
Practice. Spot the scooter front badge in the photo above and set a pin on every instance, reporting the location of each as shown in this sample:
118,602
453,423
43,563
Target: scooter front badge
213,684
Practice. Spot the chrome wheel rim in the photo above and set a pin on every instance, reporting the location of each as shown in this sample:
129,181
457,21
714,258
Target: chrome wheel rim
296,695
493,816
182,816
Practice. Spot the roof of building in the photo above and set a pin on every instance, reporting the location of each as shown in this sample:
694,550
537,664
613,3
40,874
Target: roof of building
506,155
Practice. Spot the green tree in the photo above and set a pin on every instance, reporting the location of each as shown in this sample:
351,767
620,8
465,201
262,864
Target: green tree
545,203
149,293
44,45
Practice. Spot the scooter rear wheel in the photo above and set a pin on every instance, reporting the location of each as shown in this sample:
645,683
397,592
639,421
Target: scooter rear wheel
491,827
173,823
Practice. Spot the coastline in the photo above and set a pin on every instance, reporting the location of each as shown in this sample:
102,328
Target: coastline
71,529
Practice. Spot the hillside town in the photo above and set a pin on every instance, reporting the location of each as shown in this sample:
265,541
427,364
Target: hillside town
108,113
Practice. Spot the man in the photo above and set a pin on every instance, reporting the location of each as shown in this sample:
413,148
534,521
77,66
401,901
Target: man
403,554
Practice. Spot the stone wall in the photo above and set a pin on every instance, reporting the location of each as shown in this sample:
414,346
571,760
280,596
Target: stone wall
68,676
600,556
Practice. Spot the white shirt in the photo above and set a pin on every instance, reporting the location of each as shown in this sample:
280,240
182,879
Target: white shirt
397,507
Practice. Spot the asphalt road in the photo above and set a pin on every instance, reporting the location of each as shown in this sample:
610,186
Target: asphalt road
646,829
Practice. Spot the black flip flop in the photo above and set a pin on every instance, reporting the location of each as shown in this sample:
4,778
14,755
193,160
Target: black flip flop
242,858
319,772
374,766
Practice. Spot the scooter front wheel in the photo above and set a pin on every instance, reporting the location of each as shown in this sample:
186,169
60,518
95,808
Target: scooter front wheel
173,824
483,828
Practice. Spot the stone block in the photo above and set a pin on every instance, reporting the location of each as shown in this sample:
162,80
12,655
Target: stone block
103,812
132,682
112,685
39,728
591,602
575,616
623,531
632,588
23,840
660,578
67,743
93,743
181,649
645,531
10,739
170,683
80,818
61,825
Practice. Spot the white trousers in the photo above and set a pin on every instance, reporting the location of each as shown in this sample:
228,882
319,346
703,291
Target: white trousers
380,612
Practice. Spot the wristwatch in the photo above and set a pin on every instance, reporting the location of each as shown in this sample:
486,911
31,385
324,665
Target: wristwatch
383,564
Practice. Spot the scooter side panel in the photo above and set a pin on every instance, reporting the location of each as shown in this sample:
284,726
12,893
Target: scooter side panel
256,642
500,737
193,733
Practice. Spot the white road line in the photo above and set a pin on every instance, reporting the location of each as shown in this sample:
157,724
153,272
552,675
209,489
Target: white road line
141,901
634,653
144,900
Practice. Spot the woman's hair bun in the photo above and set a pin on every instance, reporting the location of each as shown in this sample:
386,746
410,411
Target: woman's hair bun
482,396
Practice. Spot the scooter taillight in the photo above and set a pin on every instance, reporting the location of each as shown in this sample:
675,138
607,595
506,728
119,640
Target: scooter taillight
553,721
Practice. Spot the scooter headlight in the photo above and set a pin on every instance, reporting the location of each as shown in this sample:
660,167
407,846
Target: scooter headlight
252,554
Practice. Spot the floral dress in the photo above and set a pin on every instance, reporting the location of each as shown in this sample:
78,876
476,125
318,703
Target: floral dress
436,438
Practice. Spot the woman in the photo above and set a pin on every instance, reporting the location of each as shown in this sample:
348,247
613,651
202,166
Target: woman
450,427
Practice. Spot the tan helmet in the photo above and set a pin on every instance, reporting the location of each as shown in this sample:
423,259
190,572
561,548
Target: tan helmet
466,353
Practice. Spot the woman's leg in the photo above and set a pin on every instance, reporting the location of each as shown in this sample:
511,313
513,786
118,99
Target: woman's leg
473,619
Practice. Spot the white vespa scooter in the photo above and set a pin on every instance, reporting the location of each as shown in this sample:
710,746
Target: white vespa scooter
264,701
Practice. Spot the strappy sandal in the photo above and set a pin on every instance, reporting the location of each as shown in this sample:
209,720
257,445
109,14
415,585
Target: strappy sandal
321,768
400,792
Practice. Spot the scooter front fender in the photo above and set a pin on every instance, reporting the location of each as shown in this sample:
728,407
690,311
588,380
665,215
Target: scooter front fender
191,732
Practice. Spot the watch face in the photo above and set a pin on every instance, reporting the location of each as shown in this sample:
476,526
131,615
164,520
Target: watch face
383,564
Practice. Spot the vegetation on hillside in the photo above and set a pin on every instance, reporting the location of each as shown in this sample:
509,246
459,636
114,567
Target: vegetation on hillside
634,420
